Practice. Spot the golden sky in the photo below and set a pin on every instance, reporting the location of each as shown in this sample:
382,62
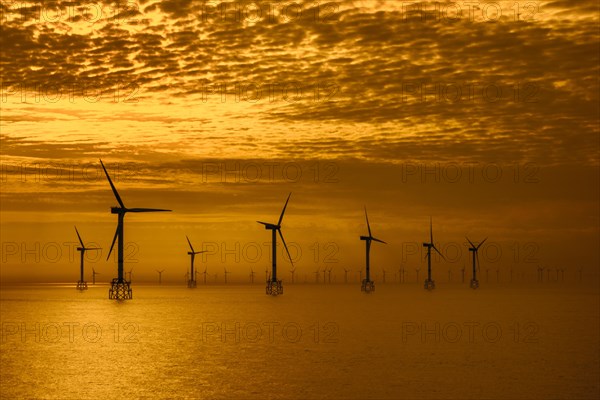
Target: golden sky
484,117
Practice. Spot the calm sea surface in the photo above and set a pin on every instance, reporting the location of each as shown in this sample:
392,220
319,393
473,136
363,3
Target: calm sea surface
315,341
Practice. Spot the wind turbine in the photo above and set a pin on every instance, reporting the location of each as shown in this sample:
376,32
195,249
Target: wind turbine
317,276
274,286
292,271
417,269
329,275
160,276
251,276
205,273
81,284
346,275
192,253
429,283
121,289
368,285
226,272
129,272
94,273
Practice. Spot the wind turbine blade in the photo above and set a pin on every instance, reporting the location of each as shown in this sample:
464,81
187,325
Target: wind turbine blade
93,248
283,211
378,240
435,248
285,245
113,243
471,243
431,231
367,217
264,223
190,243
200,252
114,189
481,243
80,241
140,210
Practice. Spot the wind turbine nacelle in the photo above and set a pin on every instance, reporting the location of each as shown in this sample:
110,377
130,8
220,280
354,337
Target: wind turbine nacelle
365,238
80,249
271,227
116,210
427,245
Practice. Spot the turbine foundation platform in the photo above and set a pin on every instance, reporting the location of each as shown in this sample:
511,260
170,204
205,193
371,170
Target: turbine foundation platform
274,288
191,284
120,290
429,284
81,285
367,286
474,283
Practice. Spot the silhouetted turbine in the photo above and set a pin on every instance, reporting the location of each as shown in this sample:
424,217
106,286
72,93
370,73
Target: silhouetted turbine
429,283
121,210
276,228
192,254
160,276
81,284
367,284
475,250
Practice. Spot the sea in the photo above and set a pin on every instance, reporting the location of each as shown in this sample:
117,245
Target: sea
316,341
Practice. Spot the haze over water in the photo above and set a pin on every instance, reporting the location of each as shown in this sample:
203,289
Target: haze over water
315,341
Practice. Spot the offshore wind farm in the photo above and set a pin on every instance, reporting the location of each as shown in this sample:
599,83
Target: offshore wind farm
299,199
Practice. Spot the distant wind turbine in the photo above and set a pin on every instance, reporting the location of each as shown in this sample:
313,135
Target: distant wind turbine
430,283
368,285
160,276
81,284
192,253
94,273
